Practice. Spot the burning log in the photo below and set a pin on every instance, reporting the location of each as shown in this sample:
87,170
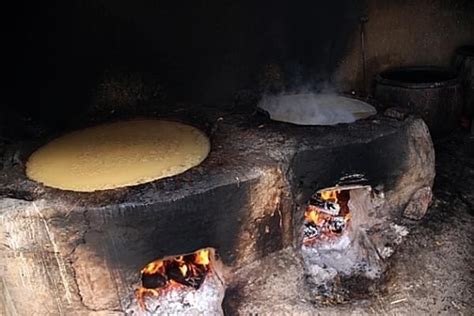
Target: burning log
328,207
153,281
182,300
327,214
337,224
188,270
310,231
180,285
182,275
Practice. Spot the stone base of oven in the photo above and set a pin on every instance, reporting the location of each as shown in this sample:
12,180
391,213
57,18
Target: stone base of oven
80,253
285,283
274,285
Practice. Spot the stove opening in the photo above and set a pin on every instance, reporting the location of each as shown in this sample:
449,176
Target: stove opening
187,270
343,235
180,283
327,216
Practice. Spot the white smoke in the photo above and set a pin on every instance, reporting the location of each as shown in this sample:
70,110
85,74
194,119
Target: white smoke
315,109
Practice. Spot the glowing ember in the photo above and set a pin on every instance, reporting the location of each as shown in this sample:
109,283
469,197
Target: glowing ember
188,270
327,215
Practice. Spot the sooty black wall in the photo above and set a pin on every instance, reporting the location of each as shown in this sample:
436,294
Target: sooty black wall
201,51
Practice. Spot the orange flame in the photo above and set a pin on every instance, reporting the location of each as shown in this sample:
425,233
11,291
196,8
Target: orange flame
191,267
183,269
324,222
202,257
313,216
153,267
330,195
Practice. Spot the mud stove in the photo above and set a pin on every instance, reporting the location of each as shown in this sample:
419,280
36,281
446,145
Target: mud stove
331,197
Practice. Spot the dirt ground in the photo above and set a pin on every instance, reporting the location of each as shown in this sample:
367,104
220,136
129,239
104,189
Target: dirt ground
433,270
430,273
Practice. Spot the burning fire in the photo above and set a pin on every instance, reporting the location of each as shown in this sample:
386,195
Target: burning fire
330,195
327,215
159,275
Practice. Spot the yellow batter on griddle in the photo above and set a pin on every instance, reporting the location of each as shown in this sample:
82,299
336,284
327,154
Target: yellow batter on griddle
118,154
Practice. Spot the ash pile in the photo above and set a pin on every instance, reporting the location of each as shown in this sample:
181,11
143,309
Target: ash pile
344,238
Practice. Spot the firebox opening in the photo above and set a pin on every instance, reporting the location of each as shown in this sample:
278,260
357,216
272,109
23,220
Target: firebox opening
327,215
335,216
186,270
194,278
336,239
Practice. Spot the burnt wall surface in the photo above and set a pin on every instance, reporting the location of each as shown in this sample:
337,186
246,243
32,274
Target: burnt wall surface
318,168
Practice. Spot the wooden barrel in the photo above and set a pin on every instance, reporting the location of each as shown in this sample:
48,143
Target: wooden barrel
434,93
464,64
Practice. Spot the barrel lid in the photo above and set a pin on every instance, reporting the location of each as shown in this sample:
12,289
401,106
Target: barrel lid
418,77
467,50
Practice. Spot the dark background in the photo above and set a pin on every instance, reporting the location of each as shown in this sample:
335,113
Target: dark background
201,51
56,54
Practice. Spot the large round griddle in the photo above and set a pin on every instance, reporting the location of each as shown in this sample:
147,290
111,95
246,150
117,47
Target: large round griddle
118,154
315,109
